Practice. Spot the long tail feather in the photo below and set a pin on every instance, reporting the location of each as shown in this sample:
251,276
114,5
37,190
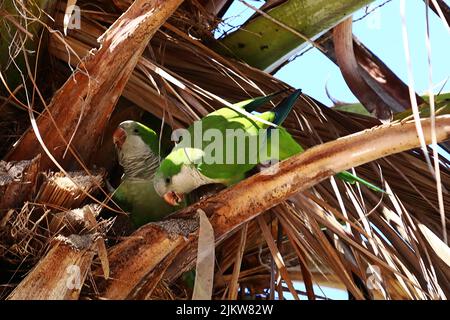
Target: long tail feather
348,177
252,104
284,107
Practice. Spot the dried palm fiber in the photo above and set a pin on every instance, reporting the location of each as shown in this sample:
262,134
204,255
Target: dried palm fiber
75,237
70,191
204,72
17,182
256,263
23,238
25,233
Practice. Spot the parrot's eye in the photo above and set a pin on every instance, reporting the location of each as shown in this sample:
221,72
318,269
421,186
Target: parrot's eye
167,180
136,131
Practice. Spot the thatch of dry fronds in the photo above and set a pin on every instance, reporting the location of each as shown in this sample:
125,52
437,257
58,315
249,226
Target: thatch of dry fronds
332,234
59,274
26,233
69,191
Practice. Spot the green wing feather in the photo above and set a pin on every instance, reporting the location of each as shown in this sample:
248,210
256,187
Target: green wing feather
226,118
222,119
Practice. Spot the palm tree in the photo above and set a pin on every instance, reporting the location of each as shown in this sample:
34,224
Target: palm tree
300,226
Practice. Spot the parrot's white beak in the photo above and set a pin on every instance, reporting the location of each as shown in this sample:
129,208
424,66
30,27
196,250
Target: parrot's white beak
119,137
173,198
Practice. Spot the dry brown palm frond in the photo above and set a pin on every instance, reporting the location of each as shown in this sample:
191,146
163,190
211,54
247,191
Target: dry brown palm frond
331,235
72,244
27,232
205,75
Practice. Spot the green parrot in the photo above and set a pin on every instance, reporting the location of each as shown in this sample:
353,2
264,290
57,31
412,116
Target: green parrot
137,148
189,166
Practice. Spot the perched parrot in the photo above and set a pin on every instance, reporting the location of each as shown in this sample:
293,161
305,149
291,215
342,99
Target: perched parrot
138,153
187,167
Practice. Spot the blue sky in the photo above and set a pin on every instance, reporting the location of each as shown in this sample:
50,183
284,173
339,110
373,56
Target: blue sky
381,32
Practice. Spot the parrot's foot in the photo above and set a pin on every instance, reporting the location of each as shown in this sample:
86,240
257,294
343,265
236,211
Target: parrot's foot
268,168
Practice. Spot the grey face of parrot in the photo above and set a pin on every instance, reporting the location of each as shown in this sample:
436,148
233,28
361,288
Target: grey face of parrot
173,188
134,155
122,136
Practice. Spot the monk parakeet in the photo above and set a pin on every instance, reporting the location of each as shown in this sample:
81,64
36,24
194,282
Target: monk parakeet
188,166
138,153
